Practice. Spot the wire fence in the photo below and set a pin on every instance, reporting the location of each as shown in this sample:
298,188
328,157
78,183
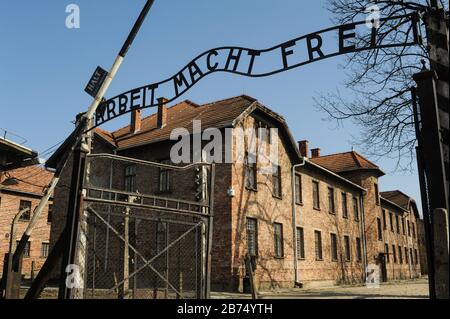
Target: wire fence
143,240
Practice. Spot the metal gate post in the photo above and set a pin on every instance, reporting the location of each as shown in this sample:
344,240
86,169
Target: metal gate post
431,157
72,219
210,232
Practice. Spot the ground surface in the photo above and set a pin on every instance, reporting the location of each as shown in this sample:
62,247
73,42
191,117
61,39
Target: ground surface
411,289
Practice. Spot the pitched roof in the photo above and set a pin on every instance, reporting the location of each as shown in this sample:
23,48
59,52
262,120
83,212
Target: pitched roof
31,179
217,114
397,197
346,162
13,155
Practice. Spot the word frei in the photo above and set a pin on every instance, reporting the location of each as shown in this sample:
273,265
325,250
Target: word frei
214,145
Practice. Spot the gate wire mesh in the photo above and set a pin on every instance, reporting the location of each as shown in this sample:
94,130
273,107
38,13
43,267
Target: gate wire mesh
139,244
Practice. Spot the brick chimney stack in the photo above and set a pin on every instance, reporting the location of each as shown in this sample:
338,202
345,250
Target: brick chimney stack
303,147
136,121
315,152
162,113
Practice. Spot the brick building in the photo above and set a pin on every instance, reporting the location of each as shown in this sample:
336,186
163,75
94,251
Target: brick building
322,206
390,218
22,188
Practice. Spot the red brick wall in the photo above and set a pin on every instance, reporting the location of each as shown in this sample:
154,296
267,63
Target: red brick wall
9,207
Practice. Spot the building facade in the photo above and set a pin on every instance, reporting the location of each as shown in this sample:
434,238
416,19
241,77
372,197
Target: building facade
302,220
19,189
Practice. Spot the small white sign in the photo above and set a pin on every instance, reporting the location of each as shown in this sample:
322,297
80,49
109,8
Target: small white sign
373,276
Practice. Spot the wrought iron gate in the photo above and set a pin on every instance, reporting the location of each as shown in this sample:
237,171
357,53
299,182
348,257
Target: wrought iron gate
146,231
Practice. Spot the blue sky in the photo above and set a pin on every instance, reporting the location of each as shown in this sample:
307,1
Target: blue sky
45,66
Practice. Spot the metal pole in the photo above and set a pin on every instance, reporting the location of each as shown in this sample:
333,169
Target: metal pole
424,199
84,123
210,232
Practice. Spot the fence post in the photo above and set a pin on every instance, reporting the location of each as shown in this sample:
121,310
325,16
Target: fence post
441,252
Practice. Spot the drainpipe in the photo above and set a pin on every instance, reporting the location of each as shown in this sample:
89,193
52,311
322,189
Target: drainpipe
363,235
294,222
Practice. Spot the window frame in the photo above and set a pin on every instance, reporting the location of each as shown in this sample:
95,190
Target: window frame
277,182
300,238
344,205
251,167
252,219
358,249
347,249
331,201
25,217
318,245
278,240
333,247
130,178
164,177
298,191
356,209
316,194
377,194
379,229
44,252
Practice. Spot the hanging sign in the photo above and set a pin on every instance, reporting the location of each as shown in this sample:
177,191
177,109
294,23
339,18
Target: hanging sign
292,54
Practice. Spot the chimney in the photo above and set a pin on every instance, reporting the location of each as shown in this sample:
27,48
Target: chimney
162,112
315,152
135,121
303,147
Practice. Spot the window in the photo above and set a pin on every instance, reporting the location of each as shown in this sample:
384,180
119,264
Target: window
45,249
413,230
50,213
397,224
347,251
355,208
391,221
411,255
331,200
344,205
377,195
383,215
316,195
403,226
263,131
161,236
130,176
409,229
358,249
318,244
278,240
406,256
164,177
394,253
380,233
252,237
416,257
386,251
300,243
276,181
250,171
25,204
26,251
400,255
298,189
334,253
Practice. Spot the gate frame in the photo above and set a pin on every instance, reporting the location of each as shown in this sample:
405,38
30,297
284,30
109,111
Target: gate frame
205,212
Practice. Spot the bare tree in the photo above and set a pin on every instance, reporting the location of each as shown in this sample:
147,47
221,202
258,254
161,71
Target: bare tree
379,81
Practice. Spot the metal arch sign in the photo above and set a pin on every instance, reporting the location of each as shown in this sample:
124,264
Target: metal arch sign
252,63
